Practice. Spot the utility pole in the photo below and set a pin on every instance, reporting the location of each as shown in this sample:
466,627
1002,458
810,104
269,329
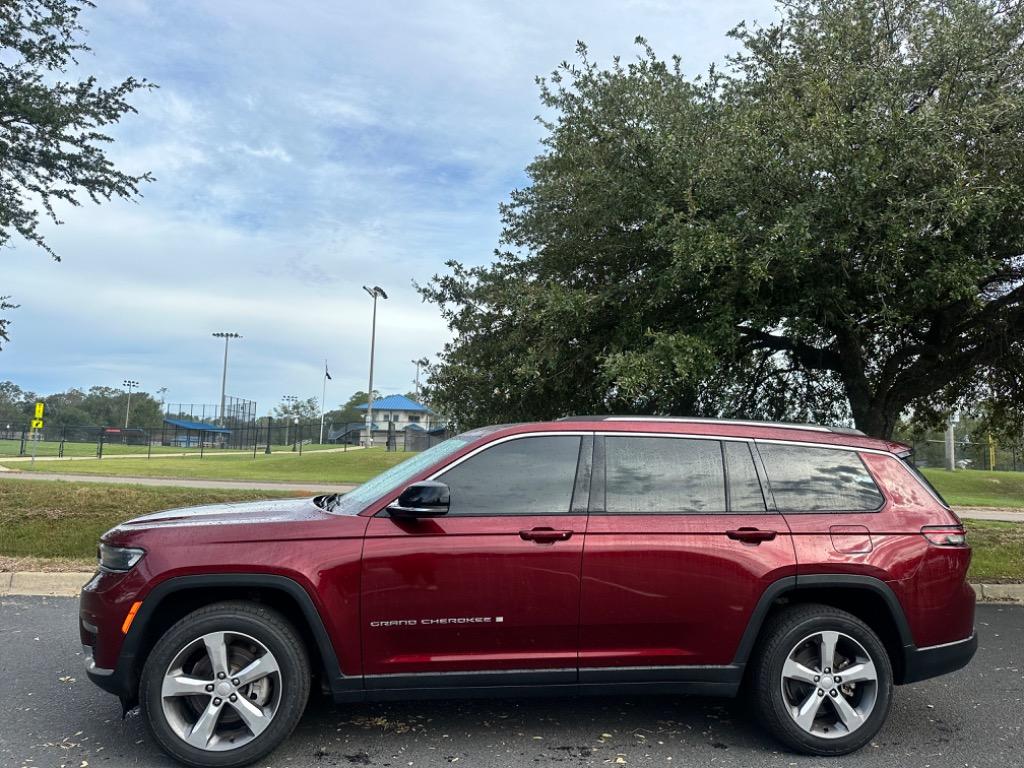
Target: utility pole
130,384
227,336
375,293
950,445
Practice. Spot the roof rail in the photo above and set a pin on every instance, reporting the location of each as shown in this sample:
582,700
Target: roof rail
706,420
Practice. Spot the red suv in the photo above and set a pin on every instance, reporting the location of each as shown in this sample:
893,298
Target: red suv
813,567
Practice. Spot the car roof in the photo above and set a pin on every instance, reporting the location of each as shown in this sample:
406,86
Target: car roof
674,425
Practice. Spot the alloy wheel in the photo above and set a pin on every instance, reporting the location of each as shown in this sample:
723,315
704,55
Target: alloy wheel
829,684
221,691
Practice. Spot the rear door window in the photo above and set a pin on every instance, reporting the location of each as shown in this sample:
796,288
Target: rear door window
651,475
809,479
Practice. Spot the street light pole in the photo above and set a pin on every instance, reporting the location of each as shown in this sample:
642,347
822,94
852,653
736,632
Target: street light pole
129,383
227,336
375,293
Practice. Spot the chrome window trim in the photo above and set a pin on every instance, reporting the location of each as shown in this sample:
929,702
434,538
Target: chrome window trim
618,433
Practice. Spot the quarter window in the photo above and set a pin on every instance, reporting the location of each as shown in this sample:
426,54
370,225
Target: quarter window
528,476
805,479
663,474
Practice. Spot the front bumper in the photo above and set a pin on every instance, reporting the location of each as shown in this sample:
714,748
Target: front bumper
103,604
924,663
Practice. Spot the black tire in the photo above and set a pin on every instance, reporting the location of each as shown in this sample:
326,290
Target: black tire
263,624
783,632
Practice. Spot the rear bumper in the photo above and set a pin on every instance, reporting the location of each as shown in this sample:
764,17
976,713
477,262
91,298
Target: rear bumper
924,663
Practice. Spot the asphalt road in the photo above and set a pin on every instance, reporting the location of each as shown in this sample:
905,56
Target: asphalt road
51,715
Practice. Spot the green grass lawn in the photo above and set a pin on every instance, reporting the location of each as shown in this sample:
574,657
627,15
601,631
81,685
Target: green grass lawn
57,519
979,488
354,466
998,551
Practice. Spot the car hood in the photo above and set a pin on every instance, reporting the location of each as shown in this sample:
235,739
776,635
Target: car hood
239,513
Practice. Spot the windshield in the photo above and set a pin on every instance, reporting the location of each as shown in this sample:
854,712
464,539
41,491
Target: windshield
356,501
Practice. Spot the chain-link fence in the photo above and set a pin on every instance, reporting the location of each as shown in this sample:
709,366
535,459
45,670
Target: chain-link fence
967,455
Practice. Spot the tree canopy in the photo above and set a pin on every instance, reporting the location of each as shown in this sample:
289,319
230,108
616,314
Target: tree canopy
830,227
51,129
97,407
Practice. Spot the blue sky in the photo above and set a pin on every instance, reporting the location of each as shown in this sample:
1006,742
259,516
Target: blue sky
300,154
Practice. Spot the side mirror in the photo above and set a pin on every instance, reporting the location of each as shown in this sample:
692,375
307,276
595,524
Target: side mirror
426,499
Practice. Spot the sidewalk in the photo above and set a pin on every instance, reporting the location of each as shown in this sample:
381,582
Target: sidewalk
991,513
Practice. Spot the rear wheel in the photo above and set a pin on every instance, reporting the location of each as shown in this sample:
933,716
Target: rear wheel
225,685
822,680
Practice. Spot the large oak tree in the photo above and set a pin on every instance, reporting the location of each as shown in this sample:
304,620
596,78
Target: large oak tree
832,227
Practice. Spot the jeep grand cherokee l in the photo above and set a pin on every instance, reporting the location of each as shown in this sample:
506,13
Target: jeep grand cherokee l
812,567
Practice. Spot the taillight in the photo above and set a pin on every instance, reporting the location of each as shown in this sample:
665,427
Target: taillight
945,535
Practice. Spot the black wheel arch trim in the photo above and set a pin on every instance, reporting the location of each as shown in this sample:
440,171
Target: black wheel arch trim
789,584
124,680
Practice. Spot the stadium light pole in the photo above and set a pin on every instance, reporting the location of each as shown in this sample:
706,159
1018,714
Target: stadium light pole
422,362
227,336
289,401
130,384
375,293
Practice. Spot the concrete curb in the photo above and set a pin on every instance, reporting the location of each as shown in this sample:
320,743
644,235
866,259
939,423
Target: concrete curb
43,584
69,584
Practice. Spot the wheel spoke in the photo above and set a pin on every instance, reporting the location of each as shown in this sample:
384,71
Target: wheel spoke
794,670
202,731
217,649
184,685
805,714
829,640
849,716
862,672
251,715
261,667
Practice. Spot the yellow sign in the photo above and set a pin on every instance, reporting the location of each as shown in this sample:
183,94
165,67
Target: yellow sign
39,411
37,423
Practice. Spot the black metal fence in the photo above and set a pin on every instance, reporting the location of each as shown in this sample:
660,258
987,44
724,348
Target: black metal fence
265,436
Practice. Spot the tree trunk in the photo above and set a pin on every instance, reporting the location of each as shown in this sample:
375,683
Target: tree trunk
873,413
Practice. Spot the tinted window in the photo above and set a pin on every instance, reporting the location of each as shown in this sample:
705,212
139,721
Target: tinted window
818,479
663,474
529,476
744,485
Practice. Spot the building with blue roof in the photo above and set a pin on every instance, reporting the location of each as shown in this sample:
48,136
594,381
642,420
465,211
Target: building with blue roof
403,412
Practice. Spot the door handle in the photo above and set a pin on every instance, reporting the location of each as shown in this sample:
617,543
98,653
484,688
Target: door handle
751,535
544,535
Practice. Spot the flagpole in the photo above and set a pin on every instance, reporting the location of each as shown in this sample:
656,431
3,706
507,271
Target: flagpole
323,396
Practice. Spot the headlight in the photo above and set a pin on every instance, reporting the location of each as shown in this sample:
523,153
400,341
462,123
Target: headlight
119,558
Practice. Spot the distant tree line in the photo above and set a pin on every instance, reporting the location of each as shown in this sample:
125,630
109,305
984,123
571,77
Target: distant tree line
97,406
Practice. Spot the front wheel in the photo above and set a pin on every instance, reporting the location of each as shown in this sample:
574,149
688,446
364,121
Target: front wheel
822,680
225,685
